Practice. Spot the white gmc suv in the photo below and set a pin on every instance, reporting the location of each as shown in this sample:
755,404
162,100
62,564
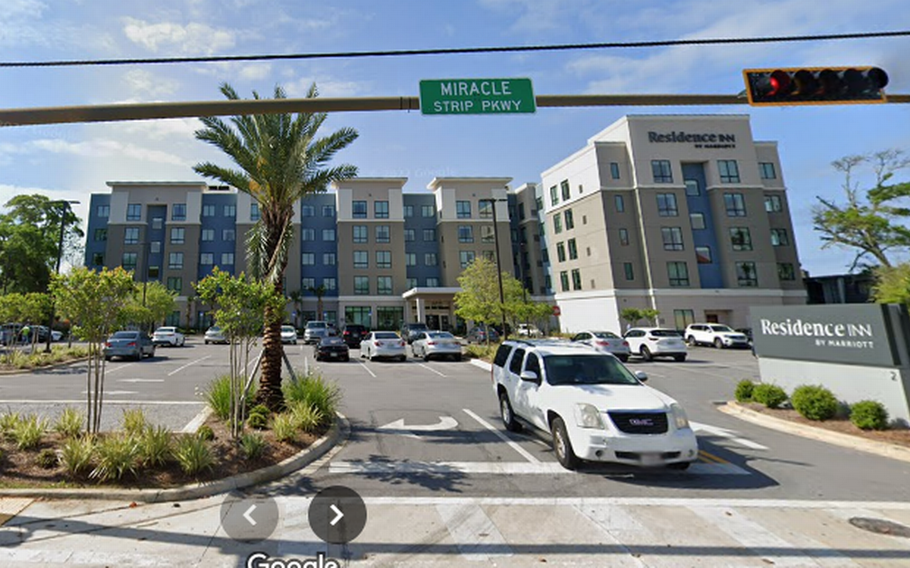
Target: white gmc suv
715,334
591,406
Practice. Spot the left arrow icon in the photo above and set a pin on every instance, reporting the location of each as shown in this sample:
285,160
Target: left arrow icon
338,515
248,515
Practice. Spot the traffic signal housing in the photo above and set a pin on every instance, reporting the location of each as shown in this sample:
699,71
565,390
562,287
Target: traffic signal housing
815,86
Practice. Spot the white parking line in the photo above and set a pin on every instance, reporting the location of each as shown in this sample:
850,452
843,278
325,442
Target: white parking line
177,370
367,369
524,453
106,401
431,369
726,434
115,369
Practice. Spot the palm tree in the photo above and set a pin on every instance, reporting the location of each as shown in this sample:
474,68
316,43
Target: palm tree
280,161
297,297
319,292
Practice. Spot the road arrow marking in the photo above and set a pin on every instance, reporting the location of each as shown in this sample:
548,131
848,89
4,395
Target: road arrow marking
249,518
731,435
338,515
398,427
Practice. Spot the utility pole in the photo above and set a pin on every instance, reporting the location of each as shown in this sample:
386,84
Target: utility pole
502,296
64,206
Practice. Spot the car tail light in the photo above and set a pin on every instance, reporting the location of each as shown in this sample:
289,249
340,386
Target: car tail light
602,343
107,344
625,343
131,344
401,343
431,343
378,344
652,338
347,332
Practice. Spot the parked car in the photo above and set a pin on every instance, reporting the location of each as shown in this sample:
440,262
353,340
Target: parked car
747,331
410,331
215,334
56,335
332,349
168,336
438,344
353,334
606,341
478,334
289,334
528,330
315,331
590,405
715,334
383,344
650,342
129,344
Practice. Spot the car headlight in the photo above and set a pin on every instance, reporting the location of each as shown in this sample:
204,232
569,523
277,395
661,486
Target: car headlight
679,416
587,416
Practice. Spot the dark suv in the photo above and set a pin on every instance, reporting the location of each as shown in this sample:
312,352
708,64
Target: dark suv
353,334
410,331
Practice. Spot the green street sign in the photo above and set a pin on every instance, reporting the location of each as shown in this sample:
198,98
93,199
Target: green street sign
477,96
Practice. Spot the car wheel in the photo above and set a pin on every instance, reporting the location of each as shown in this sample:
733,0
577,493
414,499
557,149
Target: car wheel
426,358
624,358
679,358
458,358
562,445
108,358
403,359
718,344
206,341
646,353
505,412
691,341
679,466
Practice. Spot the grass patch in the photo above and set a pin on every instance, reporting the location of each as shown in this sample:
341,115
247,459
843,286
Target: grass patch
117,456
76,455
155,446
194,455
28,432
317,392
252,445
69,425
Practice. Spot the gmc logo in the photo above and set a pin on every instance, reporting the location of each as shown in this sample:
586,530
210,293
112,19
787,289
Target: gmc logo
641,422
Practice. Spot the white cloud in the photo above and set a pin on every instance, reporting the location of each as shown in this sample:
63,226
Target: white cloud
142,83
537,15
255,71
327,87
95,149
193,38
177,129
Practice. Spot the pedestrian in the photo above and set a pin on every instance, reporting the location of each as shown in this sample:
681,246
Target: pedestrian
26,330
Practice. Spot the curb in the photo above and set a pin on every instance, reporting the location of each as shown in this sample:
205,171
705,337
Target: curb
198,490
45,368
482,364
883,449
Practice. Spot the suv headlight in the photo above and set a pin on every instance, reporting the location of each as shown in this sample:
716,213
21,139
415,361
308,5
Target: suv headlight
679,416
587,416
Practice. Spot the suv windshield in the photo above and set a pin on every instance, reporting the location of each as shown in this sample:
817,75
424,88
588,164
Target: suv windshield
288,328
721,328
386,335
417,326
315,325
586,370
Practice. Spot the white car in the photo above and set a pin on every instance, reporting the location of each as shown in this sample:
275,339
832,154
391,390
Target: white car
385,344
715,334
215,334
528,330
606,341
168,336
591,406
438,344
289,334
651,342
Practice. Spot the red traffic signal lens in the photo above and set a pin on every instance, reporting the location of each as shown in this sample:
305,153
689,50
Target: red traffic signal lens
780,83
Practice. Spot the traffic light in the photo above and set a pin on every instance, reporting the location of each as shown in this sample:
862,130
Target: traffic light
815,86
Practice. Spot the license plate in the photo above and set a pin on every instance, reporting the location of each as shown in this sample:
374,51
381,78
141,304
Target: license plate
333,354
651,459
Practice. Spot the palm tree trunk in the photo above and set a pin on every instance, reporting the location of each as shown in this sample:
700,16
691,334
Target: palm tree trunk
270,380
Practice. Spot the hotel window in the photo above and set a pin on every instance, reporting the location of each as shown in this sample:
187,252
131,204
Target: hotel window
564,281
429,259
740,238
128,260
178,213
566,192
619,203
666,205
155,247
361,259
131,236
228,235
254,212
672,238
100,234
227,259
576,279
328,210
360,234
308,259
307,283
488,254
614,170
557,223
487,236
383,234
410,259
208,235
98,259
570,220
104,211
133,212
307,211
485,209
463,209
766,169
383,259
779,237
735,204
661,171
330,284
554,195
729,171
409,235
773,204
703,255
362,285
627,268
307,234
412,283
175,284
157,223
624,237
381,209
359,209
697,220
678,273
465,234
175,261
466,257
573,249
521,211
785,271
692,188
561,252
384,285
230,210
154,272
427,210
432,282
429,235
682,318
328,259
178,235
328,235
208,210
407,211
207,259
746,276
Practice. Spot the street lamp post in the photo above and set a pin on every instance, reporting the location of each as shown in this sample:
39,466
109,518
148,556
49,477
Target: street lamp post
502,296
64,206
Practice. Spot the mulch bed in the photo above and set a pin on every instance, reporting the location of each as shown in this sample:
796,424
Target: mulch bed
899,437
19,469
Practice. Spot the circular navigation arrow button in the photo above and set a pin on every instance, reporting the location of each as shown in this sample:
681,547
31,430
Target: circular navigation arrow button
337,515
249,519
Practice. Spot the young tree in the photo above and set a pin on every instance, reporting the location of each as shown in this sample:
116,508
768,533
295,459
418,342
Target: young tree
296,298
892,284
159,302
96,303
280,161
873,225
633,315
35,310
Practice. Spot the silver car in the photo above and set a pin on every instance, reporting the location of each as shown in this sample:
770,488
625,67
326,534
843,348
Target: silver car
315,331
129,344
605,341
383,344
215,334
438,344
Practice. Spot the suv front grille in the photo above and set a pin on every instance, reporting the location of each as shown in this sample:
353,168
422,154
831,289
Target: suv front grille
640,422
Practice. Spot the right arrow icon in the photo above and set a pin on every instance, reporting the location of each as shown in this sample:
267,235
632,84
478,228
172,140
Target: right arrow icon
338,514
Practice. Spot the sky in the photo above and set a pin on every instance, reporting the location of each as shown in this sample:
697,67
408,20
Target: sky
73,161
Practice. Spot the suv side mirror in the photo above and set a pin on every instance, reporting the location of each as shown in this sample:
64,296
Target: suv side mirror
641,376
530,376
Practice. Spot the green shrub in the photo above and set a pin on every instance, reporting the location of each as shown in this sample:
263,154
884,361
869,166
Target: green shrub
814,402
28,432
481,351
206,433
218,397
252,445
869,415
8,422
76,455
744,390
259,417
69,425
133,422
317,392
284,427
155,446
117,456
771,396
193,455
306,417
47,458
